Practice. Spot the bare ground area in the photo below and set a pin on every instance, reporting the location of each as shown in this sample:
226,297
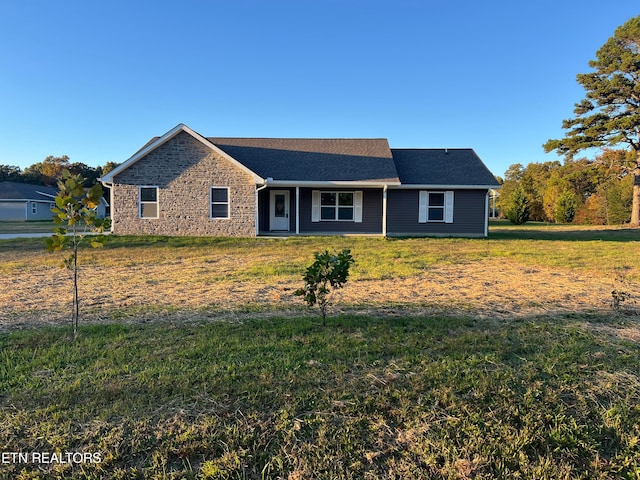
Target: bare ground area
192,289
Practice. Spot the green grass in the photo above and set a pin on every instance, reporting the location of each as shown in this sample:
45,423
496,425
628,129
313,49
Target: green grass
573,247
362,398
501,229
194,396
43,226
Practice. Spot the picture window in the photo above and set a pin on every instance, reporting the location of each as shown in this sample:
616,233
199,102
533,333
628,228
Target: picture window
336,206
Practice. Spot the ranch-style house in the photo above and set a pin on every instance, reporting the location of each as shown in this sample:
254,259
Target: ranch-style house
185,184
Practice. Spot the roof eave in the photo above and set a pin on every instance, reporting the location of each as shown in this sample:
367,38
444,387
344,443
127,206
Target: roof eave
330,183
42,200
432,186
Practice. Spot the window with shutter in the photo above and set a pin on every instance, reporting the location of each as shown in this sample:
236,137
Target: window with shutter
435,206
333,206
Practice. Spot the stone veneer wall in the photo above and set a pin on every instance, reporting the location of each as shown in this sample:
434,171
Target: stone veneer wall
184,170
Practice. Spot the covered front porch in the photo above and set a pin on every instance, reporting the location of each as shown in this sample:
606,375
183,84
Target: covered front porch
322,210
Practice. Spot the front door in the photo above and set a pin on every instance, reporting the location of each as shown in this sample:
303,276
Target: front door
279,209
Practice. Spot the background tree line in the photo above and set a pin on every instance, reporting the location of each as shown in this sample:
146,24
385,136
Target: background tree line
49,171
598,191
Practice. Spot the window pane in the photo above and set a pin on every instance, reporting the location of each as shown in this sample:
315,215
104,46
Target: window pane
148,210
219,195
436,214
345,199
436,199
279,209
149,194
345,213
328,213
220,210
327,198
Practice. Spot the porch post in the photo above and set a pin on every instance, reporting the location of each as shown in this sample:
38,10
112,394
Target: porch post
297,210
384,211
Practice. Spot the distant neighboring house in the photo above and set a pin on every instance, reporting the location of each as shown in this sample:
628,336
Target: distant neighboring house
185,184
24,201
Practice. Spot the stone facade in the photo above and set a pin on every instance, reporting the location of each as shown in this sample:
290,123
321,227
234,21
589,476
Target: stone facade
184,170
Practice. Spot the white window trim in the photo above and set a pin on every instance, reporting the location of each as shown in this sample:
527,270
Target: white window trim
34,208
212,203
423,206
316,207
140,202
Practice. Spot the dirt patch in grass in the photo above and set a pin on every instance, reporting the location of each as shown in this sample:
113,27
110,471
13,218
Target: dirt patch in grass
486,288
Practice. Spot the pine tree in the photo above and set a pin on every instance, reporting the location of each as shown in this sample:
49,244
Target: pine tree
610,113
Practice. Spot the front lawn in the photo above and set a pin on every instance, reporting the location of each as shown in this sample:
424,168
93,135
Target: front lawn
443,358
506,275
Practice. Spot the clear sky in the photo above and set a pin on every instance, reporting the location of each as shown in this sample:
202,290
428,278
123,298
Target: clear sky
96,79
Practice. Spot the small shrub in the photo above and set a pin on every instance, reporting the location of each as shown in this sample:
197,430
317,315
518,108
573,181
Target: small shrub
326,271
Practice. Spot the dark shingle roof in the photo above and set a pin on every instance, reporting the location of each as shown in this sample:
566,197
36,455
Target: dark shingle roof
26,191
319,160
453,166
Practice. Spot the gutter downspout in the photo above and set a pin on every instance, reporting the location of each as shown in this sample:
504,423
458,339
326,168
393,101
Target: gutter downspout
486,214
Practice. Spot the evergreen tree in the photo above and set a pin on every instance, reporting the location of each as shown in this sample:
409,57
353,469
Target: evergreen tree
610,113
518,206
565,207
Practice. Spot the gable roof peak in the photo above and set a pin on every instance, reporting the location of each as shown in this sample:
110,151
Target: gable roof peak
159,141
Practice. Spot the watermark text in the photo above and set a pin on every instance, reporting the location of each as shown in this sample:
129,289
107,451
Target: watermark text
48,458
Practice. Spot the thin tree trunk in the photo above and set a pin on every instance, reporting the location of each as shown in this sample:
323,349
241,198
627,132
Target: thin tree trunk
635,206
76,300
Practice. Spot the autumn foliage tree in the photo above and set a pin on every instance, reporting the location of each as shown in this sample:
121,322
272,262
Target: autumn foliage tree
587,191
609,115
76,215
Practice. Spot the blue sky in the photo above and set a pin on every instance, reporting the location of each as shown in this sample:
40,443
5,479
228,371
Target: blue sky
96,79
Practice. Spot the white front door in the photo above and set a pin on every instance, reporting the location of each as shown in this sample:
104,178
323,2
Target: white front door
279,210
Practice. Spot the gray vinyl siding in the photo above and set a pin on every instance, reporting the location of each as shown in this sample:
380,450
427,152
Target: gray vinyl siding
43,211
371,214
469,215
13,211
23,210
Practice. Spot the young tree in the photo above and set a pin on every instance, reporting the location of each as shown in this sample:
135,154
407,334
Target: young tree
75,212
610,113
327,270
